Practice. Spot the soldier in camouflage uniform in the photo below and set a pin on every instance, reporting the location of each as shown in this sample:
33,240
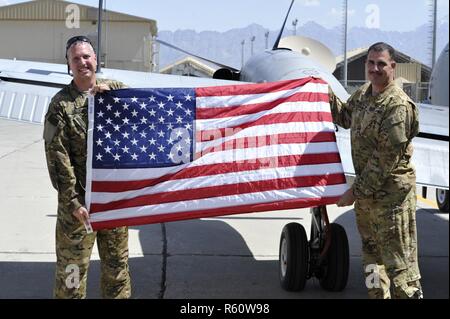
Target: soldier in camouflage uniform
65,132
383,121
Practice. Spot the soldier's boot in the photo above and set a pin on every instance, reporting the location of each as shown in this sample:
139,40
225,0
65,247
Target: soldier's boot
410,290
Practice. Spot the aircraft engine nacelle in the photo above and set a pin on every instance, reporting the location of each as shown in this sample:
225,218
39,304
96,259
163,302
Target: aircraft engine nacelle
439,80
284,64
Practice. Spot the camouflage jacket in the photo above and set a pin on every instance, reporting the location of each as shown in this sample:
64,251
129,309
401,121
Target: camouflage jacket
65,133
382,128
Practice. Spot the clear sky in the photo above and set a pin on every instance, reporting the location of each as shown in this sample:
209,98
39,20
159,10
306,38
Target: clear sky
222,15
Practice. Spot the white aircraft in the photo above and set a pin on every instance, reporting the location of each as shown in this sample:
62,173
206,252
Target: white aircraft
27,87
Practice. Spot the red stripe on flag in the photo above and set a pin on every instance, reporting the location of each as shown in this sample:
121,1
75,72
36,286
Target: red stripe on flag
251,208
210,135
221,190
276,139
213,169
258,88
229,111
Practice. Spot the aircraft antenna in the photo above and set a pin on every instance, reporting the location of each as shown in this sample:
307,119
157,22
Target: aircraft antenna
275,45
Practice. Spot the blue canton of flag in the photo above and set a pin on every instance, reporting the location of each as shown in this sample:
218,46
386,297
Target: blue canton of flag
134,128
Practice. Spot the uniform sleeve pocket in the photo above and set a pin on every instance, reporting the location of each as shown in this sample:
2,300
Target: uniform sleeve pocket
396,130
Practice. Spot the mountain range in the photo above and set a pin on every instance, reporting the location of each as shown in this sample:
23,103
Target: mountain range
226,47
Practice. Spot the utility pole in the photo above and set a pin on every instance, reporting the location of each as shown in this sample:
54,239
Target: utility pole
242,53
252,39
345,41
433,40
294,24
99,36
266,35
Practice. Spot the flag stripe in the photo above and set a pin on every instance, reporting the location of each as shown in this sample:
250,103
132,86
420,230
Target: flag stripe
221,202
192,172
190,183
259,88
250,208
256,141
255,131
235,125
224,190
220,112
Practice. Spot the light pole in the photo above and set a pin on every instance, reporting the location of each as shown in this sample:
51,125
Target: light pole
266,35
242,53
252,39
294,24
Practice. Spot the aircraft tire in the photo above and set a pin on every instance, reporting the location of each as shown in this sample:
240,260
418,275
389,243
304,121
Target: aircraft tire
442,200
293,257
336,264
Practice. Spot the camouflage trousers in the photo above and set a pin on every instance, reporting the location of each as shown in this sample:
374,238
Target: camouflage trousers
389,246
73,252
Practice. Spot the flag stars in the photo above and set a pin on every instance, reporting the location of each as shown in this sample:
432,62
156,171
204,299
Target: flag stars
152,141
125,149
170,156
161,134
100,114
99,142
134,113
179,120
170,126
170,112
117,114
179,105
161,105
143,120
134,127
116,100
116,157
143,106
134,99
188,127
109,121
100,100
170,97
126,135
125,106
99,157
109,107
188,112
134,141
170,141
152,127
125,121
161,119
108,149
107,135
188,97
152,112
116,128
143,134
99,128
143,149
152,156
116,142
151,99
134,157
161,148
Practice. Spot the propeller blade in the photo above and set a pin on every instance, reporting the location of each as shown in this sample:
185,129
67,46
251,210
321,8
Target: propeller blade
194,55
275,45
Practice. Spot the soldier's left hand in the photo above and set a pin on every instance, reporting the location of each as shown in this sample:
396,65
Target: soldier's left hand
100,88
347,199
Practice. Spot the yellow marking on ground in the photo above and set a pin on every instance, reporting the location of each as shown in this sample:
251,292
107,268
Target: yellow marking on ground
429,202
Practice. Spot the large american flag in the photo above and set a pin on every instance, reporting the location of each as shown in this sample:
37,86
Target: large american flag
167,154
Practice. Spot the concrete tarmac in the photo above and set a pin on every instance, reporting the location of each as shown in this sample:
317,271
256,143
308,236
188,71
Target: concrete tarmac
226,257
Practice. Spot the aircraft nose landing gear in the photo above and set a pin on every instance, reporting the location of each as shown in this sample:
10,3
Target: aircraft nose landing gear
325,256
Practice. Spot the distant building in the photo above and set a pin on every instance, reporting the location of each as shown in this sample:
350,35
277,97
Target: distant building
38,31
410,74
191,66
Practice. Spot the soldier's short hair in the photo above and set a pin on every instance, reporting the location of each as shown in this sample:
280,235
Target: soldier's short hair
382,46
77,39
